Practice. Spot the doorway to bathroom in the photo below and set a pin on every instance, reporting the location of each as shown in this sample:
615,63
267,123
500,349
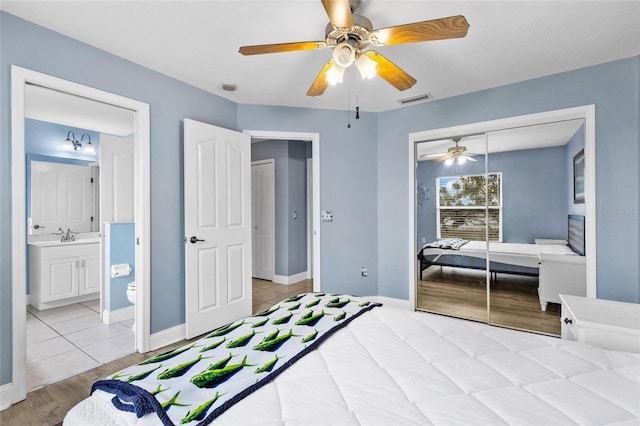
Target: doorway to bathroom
80,234
79,316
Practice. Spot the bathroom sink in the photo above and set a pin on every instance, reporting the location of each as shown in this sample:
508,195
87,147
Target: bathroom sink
65,243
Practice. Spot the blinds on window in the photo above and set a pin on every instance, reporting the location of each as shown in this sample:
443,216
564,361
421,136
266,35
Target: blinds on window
468,204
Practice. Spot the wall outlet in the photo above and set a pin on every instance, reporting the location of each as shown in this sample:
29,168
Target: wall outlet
424,240
364,271
326,216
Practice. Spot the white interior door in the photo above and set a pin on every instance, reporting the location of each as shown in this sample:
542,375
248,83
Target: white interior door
263,195
217,211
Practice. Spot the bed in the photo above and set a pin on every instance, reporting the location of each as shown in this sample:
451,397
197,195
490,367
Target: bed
559,264
392,367
504,254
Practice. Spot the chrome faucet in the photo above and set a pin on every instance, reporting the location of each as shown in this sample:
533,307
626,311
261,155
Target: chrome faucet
68,236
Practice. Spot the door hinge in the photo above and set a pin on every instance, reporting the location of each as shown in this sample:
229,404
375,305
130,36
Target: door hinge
91,180
138,241
92,219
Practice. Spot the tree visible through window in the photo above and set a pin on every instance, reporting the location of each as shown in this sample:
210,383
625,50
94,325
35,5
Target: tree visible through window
467,204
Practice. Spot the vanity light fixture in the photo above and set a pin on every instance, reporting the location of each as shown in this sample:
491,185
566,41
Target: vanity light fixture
72,144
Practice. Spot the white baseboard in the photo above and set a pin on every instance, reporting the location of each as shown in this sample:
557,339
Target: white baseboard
119,315
392,302
291,279
6,396
166,337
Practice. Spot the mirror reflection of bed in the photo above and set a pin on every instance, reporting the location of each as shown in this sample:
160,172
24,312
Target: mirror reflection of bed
521,196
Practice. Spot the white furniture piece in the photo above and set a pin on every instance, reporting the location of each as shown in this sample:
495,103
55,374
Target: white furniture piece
561,274
63,273
546,241
599,322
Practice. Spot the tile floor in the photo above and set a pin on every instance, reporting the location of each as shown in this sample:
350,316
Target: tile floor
65,341
68,340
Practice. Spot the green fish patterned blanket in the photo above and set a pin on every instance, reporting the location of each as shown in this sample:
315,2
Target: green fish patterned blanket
197,382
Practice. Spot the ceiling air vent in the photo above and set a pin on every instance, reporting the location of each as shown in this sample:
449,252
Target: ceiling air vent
418,98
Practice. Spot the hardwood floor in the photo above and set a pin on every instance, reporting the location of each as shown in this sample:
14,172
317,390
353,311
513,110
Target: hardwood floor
462,293
47,406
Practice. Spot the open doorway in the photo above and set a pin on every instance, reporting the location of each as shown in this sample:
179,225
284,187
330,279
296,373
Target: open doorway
80,224
286,249
79,269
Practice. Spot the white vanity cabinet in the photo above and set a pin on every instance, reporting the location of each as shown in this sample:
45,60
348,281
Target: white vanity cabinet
63,273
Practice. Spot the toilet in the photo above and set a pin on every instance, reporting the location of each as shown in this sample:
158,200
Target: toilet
131,297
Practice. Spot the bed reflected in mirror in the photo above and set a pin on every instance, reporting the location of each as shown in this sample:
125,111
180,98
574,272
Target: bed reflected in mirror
493,230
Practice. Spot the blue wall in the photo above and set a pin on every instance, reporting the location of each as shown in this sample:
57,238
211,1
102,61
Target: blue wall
297,204
119,248
348,187
534,197
41,137
613,88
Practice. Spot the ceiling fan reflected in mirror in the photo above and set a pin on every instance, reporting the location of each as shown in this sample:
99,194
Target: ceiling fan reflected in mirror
349,34
456,153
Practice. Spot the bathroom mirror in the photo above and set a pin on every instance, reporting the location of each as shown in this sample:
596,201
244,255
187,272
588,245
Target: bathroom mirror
62,145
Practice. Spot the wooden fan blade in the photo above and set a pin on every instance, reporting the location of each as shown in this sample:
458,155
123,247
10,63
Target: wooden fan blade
394,75
339,13
428,156
442,157
436,29
320,84
281,47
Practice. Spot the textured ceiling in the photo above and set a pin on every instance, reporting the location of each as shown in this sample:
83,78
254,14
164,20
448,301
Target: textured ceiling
197,42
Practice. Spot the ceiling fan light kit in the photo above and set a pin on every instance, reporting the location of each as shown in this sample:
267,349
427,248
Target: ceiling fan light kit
349,34
456,153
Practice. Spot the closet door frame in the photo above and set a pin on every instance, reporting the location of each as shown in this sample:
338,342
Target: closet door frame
586,112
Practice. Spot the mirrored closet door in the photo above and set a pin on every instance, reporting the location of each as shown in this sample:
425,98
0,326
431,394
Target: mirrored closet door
500,225
452,227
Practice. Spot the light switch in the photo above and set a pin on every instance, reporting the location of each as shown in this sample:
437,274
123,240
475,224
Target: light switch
326,216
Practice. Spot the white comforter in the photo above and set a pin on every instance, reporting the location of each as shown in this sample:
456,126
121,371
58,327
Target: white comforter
396,367
511,253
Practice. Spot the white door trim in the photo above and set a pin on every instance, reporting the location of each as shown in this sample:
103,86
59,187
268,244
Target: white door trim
309,218
20,77
586,112
272,162
314,138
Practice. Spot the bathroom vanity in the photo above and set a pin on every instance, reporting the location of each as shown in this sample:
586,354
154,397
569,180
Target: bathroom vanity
62,273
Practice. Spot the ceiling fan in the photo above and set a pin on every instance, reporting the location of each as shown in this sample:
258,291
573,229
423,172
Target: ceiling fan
455,153
349,34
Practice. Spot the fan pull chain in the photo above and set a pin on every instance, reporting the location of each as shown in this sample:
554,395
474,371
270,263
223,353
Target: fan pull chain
357,99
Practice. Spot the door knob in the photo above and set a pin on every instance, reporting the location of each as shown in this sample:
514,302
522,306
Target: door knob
38,227
194,240
568,321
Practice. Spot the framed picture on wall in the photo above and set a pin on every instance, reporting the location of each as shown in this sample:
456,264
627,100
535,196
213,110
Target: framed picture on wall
578,178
